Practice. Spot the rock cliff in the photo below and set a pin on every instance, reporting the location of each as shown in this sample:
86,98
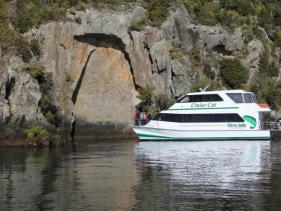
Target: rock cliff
97,64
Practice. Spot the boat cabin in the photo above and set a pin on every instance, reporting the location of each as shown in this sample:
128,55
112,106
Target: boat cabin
237,96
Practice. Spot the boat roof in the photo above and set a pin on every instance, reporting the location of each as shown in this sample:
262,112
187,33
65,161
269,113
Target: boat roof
218,91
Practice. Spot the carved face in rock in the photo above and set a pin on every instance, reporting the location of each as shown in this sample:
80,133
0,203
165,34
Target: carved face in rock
106,94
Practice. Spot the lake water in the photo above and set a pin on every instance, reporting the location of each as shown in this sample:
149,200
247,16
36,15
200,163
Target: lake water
237,175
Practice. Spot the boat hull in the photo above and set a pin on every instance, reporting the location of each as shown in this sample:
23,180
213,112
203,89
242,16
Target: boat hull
148,133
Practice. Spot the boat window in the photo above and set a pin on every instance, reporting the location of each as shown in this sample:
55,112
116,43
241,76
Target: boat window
236,97
254,98
248,98
200,118
202,98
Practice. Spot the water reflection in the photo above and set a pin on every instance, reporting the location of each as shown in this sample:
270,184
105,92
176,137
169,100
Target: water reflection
209,175
143,176
93,177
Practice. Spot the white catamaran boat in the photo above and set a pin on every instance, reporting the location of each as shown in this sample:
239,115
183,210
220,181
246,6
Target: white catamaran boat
209,115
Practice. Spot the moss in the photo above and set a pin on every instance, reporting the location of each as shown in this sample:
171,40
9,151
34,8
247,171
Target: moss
233,73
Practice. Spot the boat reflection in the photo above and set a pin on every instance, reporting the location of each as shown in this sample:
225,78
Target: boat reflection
214,174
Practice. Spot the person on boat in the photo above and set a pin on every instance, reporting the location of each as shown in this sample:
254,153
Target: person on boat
144,118
136,117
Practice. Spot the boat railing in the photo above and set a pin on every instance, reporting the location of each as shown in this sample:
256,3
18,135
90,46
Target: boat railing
270,126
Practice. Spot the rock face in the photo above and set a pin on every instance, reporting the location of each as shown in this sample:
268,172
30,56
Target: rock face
107,92
98,64
24,99
20,93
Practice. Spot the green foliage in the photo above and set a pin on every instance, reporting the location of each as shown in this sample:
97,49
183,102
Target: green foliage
151,103
278,37
233,73
44,79
158,10
138,25
35,133
234,13
36,48
204,11
146,97
267,67
33,12
204,82
195,56
163,102
177,53
78,20
267,90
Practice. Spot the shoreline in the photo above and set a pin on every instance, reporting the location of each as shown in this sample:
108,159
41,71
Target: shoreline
15,136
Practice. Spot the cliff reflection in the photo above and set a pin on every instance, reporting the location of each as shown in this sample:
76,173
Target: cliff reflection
93,177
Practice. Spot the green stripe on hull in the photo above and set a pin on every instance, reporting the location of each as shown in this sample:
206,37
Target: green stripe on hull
154,136
183,109
147,136
208,139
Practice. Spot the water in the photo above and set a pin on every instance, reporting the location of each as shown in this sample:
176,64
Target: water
143,176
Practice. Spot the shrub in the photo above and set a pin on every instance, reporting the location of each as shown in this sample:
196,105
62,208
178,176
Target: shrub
35,133
138,25
44,79
158,10
233,73
195,56
78,20
163,102
267,67
177,53
146,97
267,90
204,82
36,48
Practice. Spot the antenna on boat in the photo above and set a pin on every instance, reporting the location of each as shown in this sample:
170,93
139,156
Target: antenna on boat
203,90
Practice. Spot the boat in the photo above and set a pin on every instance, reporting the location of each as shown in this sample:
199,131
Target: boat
209,115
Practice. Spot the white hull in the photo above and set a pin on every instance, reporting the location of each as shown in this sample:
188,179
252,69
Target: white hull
148,133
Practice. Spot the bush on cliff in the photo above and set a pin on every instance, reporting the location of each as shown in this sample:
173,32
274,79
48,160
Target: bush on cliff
36,133
151,103
44,79
267,90
163,102
146,97
233,73
268,67
204,82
